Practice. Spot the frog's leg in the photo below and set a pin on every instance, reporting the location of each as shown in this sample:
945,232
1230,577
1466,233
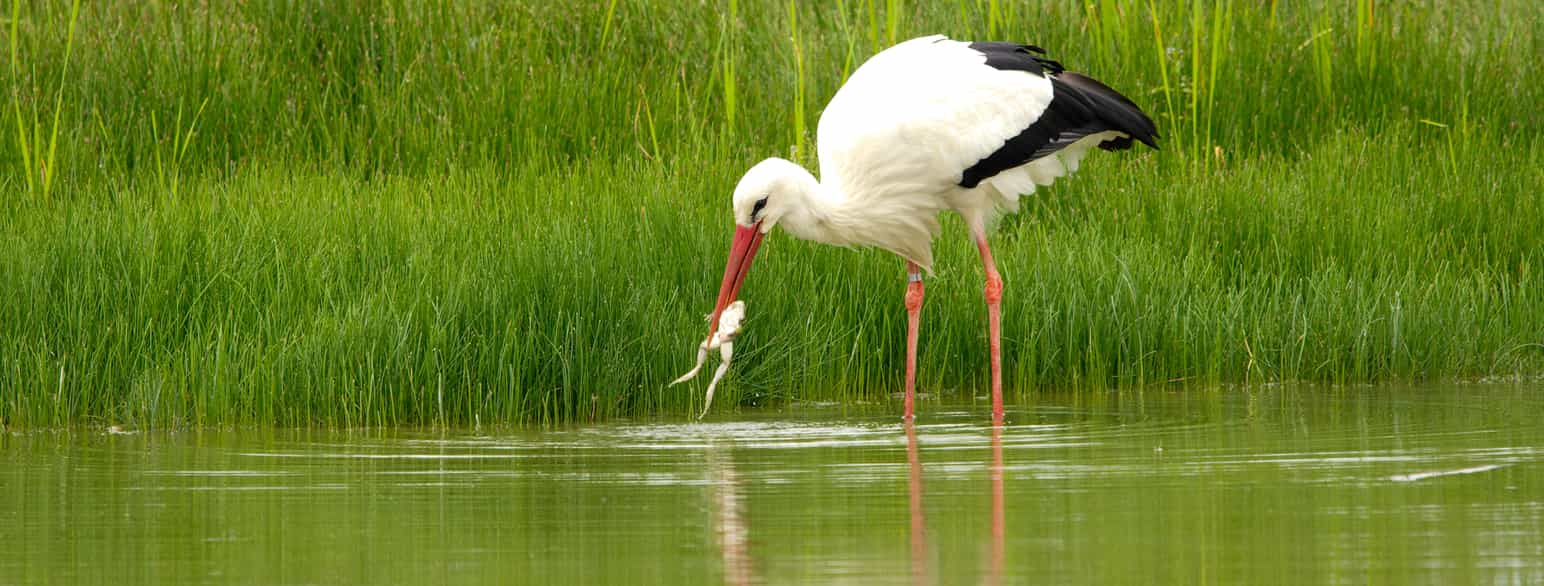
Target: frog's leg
702,355
726,353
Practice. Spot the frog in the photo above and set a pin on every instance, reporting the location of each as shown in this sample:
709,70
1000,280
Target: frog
729,324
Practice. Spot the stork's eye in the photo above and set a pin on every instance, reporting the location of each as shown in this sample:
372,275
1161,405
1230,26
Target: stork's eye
756,209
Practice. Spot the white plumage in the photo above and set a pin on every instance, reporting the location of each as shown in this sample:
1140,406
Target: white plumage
928,125
912,117
894,140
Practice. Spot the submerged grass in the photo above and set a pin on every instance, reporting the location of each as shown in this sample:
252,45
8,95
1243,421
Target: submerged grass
410,213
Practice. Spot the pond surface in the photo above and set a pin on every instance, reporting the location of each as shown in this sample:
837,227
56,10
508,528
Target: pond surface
1441,485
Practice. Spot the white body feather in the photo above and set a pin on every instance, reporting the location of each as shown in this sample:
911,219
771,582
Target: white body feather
894,140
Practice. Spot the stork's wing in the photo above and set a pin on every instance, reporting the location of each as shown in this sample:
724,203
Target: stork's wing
1080,107
932,112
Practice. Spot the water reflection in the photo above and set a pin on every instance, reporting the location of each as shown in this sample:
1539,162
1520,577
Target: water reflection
999,524
919,574
730,509
729,526
1416,486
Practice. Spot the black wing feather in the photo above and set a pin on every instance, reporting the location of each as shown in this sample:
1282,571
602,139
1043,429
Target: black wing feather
1016,57
1080,106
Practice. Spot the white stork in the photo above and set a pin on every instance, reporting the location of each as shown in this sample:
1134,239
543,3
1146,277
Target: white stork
928,125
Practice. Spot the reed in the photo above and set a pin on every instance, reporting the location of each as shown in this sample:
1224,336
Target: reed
413,213
799,132
38,156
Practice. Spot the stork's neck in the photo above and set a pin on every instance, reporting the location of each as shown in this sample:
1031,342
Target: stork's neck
812,206
825,212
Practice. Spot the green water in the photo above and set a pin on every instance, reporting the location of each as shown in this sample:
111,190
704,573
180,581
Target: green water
1309,485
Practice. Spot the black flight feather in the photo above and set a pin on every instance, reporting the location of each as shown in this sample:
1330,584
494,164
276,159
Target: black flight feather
1080,106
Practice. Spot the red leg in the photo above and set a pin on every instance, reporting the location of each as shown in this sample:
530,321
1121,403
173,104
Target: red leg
914,293
994,295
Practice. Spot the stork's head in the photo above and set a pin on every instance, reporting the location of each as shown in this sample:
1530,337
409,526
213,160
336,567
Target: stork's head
766,191
763,195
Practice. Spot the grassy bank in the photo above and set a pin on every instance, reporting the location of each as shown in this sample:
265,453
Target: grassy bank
403,214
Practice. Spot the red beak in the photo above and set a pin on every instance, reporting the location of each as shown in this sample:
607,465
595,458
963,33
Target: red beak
741,252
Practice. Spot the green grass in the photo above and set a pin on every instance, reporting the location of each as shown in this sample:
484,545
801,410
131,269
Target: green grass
402,213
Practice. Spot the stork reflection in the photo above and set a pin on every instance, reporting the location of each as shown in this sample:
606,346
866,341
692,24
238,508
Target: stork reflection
730,529
919,547
919,574
994,575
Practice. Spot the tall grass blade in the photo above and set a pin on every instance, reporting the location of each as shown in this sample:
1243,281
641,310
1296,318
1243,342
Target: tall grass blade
1160,49
49,167
799,83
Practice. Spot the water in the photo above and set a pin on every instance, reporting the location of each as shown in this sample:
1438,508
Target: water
1438,485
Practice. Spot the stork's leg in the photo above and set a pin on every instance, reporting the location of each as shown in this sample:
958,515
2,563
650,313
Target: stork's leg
914,292
994,295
